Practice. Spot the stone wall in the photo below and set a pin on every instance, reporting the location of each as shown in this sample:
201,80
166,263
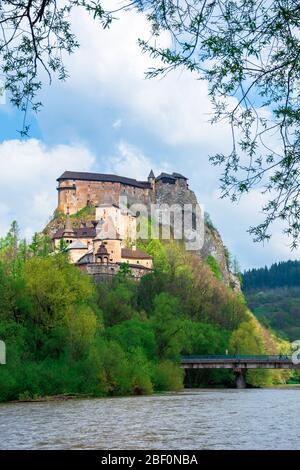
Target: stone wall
105,273
74,195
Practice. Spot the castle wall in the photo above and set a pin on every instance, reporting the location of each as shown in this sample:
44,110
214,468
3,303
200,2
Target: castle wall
74,195
76,254
106,273
124,223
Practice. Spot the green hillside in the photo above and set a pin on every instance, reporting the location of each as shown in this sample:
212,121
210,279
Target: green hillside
273,294
66,335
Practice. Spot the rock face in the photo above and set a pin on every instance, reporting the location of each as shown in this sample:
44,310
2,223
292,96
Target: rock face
212,244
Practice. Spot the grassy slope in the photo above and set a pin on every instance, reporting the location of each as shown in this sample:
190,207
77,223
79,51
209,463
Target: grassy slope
278,309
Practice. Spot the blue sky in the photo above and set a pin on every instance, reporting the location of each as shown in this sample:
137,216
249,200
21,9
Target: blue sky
106,117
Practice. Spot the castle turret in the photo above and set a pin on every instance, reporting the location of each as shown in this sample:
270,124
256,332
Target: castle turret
151,179
68,230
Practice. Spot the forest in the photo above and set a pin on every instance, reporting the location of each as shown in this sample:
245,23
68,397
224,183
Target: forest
66,335
273,294
282,274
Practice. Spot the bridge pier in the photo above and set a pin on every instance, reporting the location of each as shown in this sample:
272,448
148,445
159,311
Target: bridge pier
240,380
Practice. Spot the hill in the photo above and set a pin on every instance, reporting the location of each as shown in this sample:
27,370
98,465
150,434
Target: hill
273,294
66,335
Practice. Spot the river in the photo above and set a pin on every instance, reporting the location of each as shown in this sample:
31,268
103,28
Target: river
192,419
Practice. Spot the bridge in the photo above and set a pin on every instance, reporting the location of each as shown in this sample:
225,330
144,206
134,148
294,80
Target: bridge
239,364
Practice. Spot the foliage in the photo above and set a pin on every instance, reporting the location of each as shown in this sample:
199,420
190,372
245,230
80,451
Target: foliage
277,309
273,294
213,264
252,338
247,51
249,54
65,335
208,222
282,274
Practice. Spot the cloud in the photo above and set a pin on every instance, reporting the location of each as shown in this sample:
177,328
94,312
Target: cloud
27,180
159,123
110,67
130,161
234,220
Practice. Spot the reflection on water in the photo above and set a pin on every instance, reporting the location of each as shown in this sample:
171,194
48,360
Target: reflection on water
198,419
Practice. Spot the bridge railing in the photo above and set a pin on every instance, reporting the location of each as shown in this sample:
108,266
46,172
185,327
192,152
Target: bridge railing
237,357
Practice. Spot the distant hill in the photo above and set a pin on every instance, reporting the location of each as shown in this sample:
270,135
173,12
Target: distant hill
282,274
273,294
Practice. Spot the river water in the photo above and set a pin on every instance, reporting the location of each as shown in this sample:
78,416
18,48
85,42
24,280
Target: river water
193,419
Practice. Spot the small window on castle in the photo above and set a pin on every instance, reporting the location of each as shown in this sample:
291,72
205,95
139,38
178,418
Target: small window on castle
112,251
138,262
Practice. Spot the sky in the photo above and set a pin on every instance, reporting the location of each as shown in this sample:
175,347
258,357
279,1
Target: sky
108,118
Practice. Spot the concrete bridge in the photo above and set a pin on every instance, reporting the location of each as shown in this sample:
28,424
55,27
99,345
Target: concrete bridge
239,364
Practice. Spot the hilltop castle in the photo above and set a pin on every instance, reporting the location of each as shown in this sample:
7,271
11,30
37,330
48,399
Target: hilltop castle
96,252
77,190
102,248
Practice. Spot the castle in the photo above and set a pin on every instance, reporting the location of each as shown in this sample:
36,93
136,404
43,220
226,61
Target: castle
101,249
101,246
77,190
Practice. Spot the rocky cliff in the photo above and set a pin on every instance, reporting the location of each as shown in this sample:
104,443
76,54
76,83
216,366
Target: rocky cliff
213,244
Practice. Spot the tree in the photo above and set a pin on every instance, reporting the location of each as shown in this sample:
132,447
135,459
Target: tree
168,327
56,289
13,251
247,51
33,35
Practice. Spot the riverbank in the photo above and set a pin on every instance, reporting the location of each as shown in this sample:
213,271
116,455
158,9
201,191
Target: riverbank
68,397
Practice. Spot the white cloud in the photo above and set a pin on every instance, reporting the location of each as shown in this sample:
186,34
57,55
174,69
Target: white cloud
233,221
28,180
176,108
130,161
108,70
